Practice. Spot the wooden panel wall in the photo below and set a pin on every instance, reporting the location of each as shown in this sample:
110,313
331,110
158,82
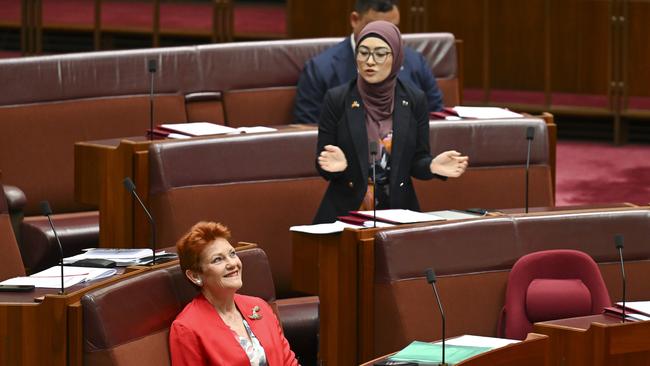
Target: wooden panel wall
310,19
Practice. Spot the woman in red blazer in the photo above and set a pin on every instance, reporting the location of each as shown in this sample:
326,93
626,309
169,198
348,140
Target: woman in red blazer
221,327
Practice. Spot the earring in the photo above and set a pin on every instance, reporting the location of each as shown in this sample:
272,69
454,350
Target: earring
198,282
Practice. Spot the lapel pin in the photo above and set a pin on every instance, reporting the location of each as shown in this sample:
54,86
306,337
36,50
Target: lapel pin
355,104
255,315
405,103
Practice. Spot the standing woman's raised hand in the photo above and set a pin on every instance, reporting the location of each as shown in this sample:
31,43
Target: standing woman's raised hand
332,159
449,164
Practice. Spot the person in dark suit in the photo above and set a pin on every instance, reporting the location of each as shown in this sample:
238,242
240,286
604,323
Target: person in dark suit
379,109
221,327
336,66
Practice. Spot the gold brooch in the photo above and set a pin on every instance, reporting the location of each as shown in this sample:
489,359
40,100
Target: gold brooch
255,315
355,104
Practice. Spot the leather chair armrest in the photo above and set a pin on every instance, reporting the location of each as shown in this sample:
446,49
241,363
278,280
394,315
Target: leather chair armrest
16,198
300,321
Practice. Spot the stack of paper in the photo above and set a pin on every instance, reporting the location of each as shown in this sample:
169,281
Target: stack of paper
51,277
456,349
121,257
186,130
398,216
485,112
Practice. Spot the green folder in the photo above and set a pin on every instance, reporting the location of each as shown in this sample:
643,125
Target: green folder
429,353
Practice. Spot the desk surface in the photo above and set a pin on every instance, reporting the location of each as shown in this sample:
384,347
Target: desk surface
49,332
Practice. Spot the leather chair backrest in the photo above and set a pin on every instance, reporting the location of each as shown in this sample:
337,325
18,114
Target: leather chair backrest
551,264
258,185
495,178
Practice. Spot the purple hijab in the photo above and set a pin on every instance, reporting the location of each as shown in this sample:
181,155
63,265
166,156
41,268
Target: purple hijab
378,98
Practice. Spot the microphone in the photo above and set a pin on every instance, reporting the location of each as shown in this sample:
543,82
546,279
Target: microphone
374,149
618,239
47,212
530,134
431,278
130,186
152,66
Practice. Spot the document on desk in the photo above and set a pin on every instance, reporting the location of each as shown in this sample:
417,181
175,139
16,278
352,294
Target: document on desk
425,353
121,257
198,128
399,216
330,228
485,112
641,307
51,277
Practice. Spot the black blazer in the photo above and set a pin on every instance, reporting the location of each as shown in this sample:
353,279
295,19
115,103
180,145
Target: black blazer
343,124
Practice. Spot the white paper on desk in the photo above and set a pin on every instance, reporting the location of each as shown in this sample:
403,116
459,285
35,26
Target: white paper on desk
453,215
642,307
371,223
256,129
402,216
335,227
198,128
485,112
178,136
121,257
479,341
51,277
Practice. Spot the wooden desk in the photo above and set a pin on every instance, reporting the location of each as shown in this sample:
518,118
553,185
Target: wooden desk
100,168
597,340
102,165
531,352
49,332
340,269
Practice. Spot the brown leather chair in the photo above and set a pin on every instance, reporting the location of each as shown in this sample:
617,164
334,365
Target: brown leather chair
127,323
11,263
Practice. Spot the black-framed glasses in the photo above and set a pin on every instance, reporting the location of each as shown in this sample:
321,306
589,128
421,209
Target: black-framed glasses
380,54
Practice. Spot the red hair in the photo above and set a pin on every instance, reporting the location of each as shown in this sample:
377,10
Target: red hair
191,245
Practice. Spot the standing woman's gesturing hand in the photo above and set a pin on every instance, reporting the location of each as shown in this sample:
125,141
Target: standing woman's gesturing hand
332,159
449,164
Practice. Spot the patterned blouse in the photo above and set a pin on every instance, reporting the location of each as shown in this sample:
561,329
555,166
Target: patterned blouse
252,347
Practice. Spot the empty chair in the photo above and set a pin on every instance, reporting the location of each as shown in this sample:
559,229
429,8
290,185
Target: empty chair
550,285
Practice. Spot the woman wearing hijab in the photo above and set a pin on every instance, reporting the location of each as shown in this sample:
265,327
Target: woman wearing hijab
377,109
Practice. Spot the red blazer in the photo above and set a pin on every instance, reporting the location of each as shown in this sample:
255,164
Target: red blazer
199,336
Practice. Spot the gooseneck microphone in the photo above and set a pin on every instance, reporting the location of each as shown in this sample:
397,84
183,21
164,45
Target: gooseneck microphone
130,186
431,278
618,239
374,150
530,134
152,66
47,212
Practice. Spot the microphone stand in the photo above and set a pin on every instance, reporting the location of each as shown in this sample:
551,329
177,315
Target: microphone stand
47,212
374,190
431,278
152,71
530,133
618,239
130,186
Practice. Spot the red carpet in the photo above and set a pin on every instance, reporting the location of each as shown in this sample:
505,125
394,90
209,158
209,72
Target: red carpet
595,172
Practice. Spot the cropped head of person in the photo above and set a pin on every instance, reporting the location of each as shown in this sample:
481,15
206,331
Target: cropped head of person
366,11
209,261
